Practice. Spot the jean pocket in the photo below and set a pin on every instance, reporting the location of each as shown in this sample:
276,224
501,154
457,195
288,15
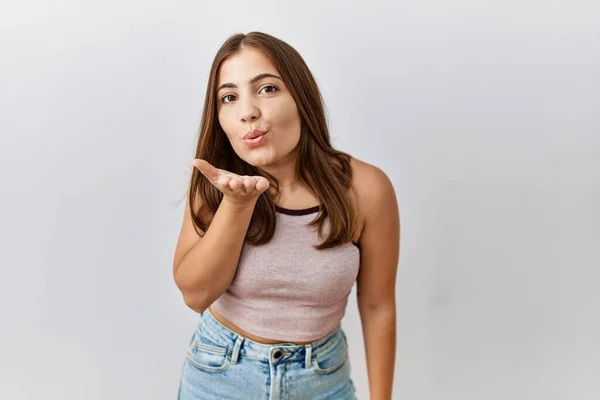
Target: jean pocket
206,355
332,360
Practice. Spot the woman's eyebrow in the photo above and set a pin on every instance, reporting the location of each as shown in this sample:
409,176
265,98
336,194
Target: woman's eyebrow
251,81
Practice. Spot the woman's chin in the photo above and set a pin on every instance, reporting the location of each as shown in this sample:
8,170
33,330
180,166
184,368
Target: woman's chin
258,161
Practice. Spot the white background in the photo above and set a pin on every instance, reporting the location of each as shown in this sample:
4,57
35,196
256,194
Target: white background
484,114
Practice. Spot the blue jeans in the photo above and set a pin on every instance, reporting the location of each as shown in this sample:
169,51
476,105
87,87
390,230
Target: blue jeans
223,365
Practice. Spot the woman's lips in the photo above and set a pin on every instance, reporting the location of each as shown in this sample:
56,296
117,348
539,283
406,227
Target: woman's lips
255,142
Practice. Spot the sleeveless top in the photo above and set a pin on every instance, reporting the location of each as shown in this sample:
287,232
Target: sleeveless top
286,289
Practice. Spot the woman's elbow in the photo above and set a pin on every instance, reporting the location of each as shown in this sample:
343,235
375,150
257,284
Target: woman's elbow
198,302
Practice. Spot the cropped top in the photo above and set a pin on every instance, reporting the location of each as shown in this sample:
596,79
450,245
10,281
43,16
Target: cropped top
286,289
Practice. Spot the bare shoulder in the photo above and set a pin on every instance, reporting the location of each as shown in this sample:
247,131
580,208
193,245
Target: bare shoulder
374,190
372,184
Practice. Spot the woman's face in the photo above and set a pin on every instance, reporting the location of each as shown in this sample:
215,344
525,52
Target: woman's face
248,100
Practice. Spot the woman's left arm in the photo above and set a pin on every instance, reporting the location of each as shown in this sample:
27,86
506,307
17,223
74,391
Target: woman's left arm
376,281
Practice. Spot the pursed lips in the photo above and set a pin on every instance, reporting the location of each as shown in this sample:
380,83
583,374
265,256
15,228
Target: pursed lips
254,134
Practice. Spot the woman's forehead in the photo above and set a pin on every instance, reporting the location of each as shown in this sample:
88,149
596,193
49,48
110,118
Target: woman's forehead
243,66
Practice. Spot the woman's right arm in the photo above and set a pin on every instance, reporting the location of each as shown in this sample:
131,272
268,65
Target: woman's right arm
203,267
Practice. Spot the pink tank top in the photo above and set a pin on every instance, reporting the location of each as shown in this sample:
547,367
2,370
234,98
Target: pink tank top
288,290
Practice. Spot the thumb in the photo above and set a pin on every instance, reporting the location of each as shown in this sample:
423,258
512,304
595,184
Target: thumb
206,169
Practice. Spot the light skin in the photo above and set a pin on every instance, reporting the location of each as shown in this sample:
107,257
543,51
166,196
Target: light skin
257,105
251,95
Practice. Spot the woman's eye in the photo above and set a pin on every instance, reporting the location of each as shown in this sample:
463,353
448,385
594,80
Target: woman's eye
224,99
270,91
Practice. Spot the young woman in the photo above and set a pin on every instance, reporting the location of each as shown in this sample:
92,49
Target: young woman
278,226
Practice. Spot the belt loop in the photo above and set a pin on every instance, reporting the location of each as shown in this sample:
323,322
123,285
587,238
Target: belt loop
236,349
308,358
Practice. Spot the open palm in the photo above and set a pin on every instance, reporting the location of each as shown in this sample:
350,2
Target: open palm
238,189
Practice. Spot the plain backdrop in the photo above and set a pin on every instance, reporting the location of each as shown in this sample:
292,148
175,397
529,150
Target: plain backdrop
484,114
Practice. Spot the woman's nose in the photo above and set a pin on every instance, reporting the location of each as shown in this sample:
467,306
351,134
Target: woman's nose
249,111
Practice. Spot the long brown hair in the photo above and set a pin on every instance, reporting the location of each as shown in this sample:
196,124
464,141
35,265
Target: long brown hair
319,166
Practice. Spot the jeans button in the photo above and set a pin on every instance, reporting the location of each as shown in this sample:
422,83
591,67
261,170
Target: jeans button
277,354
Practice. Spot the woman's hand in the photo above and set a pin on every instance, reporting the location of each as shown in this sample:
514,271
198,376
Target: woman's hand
236,189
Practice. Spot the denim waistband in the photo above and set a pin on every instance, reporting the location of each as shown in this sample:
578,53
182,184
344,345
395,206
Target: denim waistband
240,346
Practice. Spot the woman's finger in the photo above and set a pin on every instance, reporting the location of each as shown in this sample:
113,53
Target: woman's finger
222,183
262,184
249,183
235,184
210,172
